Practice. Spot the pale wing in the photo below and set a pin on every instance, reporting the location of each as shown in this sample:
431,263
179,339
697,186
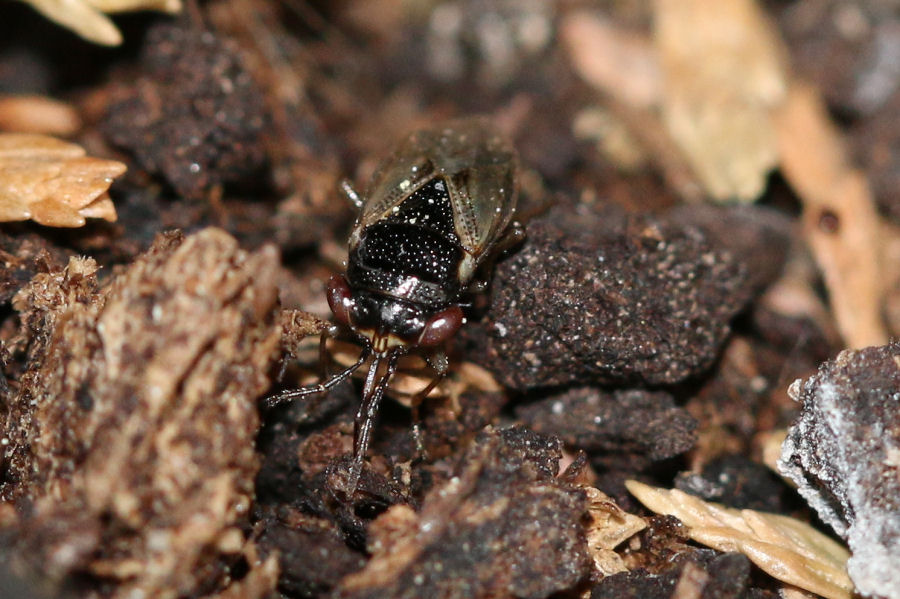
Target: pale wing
479,166
404,171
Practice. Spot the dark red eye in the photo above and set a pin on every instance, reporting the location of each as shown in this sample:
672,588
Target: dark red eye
340,299
441,327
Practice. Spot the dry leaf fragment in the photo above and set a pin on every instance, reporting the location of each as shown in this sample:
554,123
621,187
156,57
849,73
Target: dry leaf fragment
724,69
53,182
787,549
86,18
80,18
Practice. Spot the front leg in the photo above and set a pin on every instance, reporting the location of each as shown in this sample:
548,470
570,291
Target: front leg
292,394
513,236
438,360
373,392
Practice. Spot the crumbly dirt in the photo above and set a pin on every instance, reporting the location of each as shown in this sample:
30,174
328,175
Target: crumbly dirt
626,424
193,114
842,453
612,299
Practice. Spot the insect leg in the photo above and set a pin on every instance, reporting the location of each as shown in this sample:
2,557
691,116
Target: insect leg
351,194
365,418
324,357
292,394
282,369
513,236
438,361
414,404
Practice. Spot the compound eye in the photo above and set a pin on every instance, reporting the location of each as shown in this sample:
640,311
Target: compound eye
441,326
340,299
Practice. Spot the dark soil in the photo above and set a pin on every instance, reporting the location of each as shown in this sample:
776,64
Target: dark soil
632,335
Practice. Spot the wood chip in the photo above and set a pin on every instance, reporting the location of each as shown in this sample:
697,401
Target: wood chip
53,182
770,442
839,216
785,548
608,527
37,114
624,68
724,70
691,582
414,374
86,19
611,59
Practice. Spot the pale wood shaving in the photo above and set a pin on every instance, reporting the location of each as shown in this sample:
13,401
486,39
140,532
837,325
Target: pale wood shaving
788,592
890,240
53,182
414,374
37,114
733,113
698,97
117,6
612,137
787,549
724,70
86,19
607,528
632,94
839,216
691,583
608,58
770,443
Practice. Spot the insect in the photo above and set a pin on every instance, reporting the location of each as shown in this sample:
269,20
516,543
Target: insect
435,215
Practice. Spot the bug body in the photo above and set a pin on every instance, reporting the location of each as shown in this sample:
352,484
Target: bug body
432,215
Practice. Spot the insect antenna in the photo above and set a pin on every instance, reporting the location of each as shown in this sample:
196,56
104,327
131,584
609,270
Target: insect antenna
365,418
291,394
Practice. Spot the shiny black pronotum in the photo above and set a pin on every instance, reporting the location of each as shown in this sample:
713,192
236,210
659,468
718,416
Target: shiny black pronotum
435,214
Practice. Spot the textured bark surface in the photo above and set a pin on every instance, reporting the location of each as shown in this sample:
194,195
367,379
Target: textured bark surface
132,434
